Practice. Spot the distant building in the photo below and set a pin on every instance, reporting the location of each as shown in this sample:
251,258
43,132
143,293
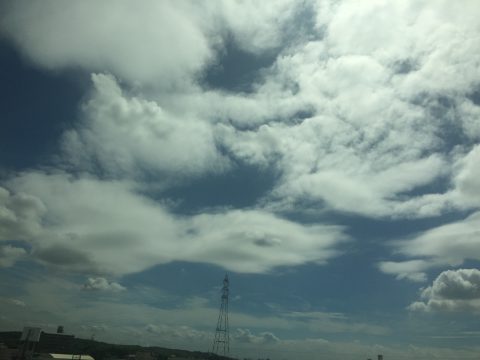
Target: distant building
55,343
380,357
32,341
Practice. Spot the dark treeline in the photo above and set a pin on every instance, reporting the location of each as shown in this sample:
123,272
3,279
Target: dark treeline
101,350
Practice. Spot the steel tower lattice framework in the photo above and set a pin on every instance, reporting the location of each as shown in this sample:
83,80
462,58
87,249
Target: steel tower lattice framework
221,342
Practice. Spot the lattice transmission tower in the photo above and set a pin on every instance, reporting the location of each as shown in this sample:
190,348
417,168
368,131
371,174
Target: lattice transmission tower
221,342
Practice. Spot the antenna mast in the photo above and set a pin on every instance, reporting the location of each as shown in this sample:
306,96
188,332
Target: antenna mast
221,342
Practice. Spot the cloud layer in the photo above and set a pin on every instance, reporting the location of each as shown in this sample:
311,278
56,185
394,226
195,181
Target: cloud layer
128,136
353,121
106,227
368,109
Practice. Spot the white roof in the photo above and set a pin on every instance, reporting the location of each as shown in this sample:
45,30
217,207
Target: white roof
71,357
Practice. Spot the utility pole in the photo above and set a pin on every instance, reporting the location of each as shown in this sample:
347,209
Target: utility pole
221,342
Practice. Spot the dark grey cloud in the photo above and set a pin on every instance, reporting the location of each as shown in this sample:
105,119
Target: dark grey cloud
66,257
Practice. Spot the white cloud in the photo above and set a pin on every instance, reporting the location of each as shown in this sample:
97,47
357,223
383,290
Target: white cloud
367,114
450,244
166,44
469,113
256,241
452,290
102,284
412,270
433,40
379,105
257,27
129,136
20,220
102,226
20,215
446,245
10,254
383,107
369,158
466,181
152,42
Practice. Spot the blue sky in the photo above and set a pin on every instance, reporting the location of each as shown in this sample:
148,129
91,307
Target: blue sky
322,153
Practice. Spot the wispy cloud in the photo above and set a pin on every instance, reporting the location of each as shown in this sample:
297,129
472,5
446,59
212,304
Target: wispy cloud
446,245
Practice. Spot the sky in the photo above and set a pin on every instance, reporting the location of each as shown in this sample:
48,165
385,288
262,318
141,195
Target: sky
323,153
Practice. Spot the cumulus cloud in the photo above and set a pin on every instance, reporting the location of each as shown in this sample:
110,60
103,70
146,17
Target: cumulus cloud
378,115
366,110
418,34
354,120
128,136
20,215
165,44
105,226
369,158
452,290
102,284
89,219
258,27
